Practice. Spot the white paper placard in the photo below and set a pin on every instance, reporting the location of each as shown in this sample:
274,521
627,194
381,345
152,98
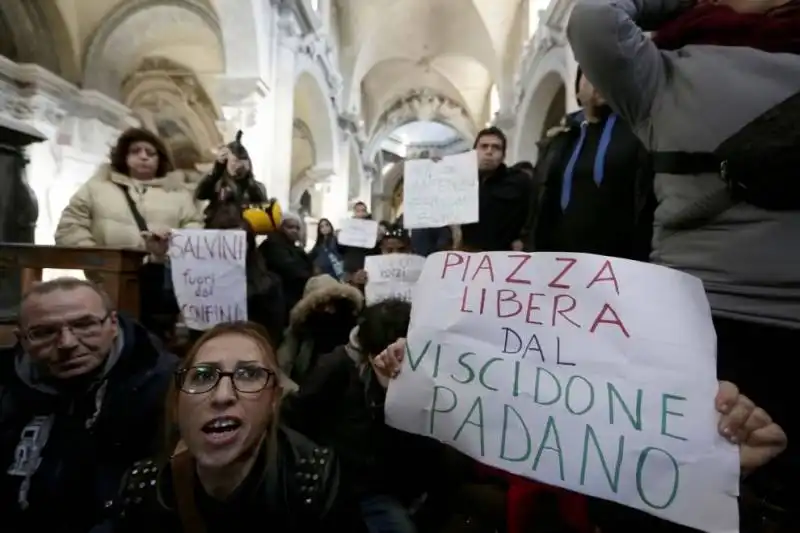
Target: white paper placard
585,372
209,276
391,276
440,193
358,233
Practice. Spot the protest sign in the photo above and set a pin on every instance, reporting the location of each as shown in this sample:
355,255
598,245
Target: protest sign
440,193
208,275
358,233
585,372
391,276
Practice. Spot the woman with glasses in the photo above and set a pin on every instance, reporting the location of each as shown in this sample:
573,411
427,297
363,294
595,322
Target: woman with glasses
235,465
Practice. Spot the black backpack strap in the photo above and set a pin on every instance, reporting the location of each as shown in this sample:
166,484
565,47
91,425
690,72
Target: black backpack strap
683,163
137,216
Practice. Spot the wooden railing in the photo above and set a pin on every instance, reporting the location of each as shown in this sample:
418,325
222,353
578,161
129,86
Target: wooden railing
116,270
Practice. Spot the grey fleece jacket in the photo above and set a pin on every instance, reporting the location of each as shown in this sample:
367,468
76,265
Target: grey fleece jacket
691,100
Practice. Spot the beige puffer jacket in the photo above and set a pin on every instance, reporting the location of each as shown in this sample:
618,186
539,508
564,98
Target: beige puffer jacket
98,213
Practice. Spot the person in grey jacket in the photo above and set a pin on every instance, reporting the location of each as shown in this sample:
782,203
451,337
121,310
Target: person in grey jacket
710,71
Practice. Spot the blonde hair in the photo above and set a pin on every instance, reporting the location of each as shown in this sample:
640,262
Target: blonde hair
257,334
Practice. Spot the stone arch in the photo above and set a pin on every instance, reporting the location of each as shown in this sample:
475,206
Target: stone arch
393,178
35,32
311,88
112,51
419,106
396,200
169,100
546,81
242,35
315,131
355,168
304,150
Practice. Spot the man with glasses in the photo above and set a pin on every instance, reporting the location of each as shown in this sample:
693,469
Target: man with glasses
81,397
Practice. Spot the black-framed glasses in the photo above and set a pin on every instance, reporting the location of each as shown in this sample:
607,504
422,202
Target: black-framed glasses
200,379
83,327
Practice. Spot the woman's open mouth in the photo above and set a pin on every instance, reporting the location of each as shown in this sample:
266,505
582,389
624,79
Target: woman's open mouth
222,430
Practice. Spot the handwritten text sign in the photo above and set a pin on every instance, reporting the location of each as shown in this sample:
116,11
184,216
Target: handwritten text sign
391,276
440,193
208,275
358,233
589,373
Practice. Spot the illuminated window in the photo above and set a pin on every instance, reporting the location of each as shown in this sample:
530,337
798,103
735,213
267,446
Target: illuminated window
315,5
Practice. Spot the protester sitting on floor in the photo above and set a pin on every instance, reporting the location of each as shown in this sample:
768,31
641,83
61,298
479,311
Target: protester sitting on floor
340,404
321,321
285,256
235,465
81,398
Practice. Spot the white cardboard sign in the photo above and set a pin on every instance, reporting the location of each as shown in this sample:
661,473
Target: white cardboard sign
209,276
585,372
442,192
391,276
358,233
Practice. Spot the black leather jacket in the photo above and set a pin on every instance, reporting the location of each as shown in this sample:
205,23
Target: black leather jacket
296,492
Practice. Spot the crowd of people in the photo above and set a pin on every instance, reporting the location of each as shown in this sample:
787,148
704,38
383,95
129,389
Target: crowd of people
681,155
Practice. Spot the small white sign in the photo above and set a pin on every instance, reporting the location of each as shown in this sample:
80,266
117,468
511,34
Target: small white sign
391,276
358,233
440,193
209,276
589,373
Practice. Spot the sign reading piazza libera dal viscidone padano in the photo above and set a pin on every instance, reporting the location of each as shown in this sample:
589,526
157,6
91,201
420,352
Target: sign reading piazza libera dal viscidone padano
590,373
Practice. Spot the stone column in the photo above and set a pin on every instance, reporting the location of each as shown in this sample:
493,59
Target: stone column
365,186
80,126
283,78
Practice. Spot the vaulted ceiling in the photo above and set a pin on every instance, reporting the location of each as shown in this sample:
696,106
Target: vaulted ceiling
111,38
456,48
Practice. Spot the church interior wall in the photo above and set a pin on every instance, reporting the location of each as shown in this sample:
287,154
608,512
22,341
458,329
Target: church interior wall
259,56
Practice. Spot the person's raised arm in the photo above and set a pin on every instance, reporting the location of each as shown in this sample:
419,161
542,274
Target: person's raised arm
207,188
609,42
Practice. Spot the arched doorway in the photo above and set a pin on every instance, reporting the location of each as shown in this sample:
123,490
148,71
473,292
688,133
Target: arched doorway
36,32
556,111
546,107
312,162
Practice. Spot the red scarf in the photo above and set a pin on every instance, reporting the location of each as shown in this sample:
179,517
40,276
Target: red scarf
776,31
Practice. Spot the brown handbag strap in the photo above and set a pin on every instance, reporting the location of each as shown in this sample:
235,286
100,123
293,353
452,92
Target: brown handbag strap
183,480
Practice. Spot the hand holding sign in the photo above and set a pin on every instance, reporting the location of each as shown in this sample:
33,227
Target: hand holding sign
744,423
156,243
389,362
